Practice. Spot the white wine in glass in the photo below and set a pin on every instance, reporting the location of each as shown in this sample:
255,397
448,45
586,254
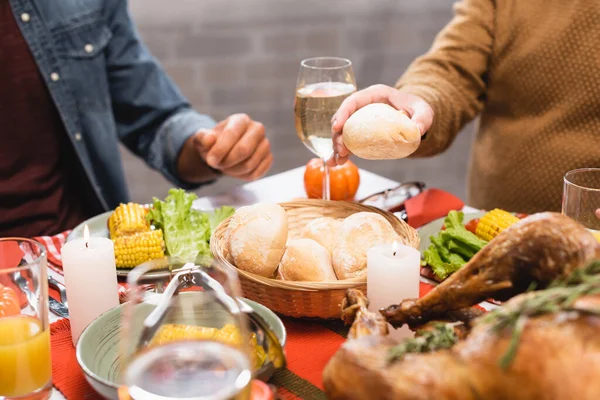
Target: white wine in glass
323,84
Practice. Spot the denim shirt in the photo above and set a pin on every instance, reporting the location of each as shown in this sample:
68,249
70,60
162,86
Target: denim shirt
107,87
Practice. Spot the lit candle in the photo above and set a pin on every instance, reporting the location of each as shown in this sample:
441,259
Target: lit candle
90,279
393,272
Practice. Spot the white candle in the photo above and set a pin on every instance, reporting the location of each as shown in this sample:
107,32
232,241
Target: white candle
90,279
393,272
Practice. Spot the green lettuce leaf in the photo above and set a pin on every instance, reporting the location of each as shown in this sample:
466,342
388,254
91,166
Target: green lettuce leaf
219,215
186,231
441,268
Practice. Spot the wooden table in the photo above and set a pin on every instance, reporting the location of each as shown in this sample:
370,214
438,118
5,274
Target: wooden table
277,188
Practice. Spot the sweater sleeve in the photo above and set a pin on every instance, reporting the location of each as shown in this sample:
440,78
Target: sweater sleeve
451,77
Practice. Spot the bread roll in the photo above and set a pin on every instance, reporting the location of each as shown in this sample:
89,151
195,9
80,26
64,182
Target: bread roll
324,230
306,260
380,132
360,232
257,235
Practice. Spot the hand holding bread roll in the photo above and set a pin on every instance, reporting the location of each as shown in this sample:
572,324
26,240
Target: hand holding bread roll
257,236
380,132
306,260
360,232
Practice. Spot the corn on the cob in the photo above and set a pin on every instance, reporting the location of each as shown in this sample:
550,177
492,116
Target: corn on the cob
132,250
128,219
494,222
597,234
228,334
173,332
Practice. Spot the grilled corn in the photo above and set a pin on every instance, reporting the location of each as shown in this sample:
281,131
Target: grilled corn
494,222
228,334
132,250
128,219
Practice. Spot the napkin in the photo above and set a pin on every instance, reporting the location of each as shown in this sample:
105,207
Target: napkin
53,245
430,205
67,376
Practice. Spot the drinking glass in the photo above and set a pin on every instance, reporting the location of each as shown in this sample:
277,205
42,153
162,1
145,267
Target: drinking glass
25,368
323,83
184,336
581,197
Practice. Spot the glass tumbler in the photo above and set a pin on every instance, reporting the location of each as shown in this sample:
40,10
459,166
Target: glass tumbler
25,367
581,197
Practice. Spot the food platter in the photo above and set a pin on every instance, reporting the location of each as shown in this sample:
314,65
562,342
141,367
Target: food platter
138,230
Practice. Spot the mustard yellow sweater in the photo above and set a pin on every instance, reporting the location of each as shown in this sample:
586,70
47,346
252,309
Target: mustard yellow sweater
531,70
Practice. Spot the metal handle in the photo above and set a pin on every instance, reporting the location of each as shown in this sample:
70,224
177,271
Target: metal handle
60,288
153,319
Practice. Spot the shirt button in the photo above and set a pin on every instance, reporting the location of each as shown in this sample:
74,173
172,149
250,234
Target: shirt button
88,48
54,77
25,17
77,136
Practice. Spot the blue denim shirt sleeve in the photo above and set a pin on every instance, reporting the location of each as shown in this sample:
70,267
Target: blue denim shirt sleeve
153,118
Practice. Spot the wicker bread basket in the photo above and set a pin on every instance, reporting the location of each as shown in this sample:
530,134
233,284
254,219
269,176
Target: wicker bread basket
306,299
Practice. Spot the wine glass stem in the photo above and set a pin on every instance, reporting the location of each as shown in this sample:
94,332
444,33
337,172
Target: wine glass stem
326,187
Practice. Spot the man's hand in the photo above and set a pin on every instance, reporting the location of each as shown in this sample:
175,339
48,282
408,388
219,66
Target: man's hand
236,146
413,106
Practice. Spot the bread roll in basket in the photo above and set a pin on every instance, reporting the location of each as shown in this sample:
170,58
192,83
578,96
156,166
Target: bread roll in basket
300,298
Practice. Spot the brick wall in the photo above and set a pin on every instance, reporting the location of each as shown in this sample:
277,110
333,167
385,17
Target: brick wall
243,56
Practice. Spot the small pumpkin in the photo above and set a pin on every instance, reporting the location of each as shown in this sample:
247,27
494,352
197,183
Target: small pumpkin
9,302
343,180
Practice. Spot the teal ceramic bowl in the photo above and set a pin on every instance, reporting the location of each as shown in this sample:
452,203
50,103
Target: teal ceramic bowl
98,351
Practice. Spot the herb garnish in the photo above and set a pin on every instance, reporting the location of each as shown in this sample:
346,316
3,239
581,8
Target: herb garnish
442,336
559,296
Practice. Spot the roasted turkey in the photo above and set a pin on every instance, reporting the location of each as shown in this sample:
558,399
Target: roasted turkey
549,349
558,358
537,249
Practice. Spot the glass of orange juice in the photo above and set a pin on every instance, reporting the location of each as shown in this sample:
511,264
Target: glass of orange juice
25,368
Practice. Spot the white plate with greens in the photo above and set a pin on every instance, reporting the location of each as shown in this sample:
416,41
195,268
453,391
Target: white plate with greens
186,230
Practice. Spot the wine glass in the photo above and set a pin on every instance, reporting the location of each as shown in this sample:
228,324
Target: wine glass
323,83
581,197
25,368
184,335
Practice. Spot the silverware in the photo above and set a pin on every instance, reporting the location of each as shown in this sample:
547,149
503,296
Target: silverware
58,308
55,306
393,199
53,283
22,284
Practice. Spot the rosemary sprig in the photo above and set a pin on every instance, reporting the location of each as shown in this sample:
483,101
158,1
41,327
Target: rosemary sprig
442,336
559,296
